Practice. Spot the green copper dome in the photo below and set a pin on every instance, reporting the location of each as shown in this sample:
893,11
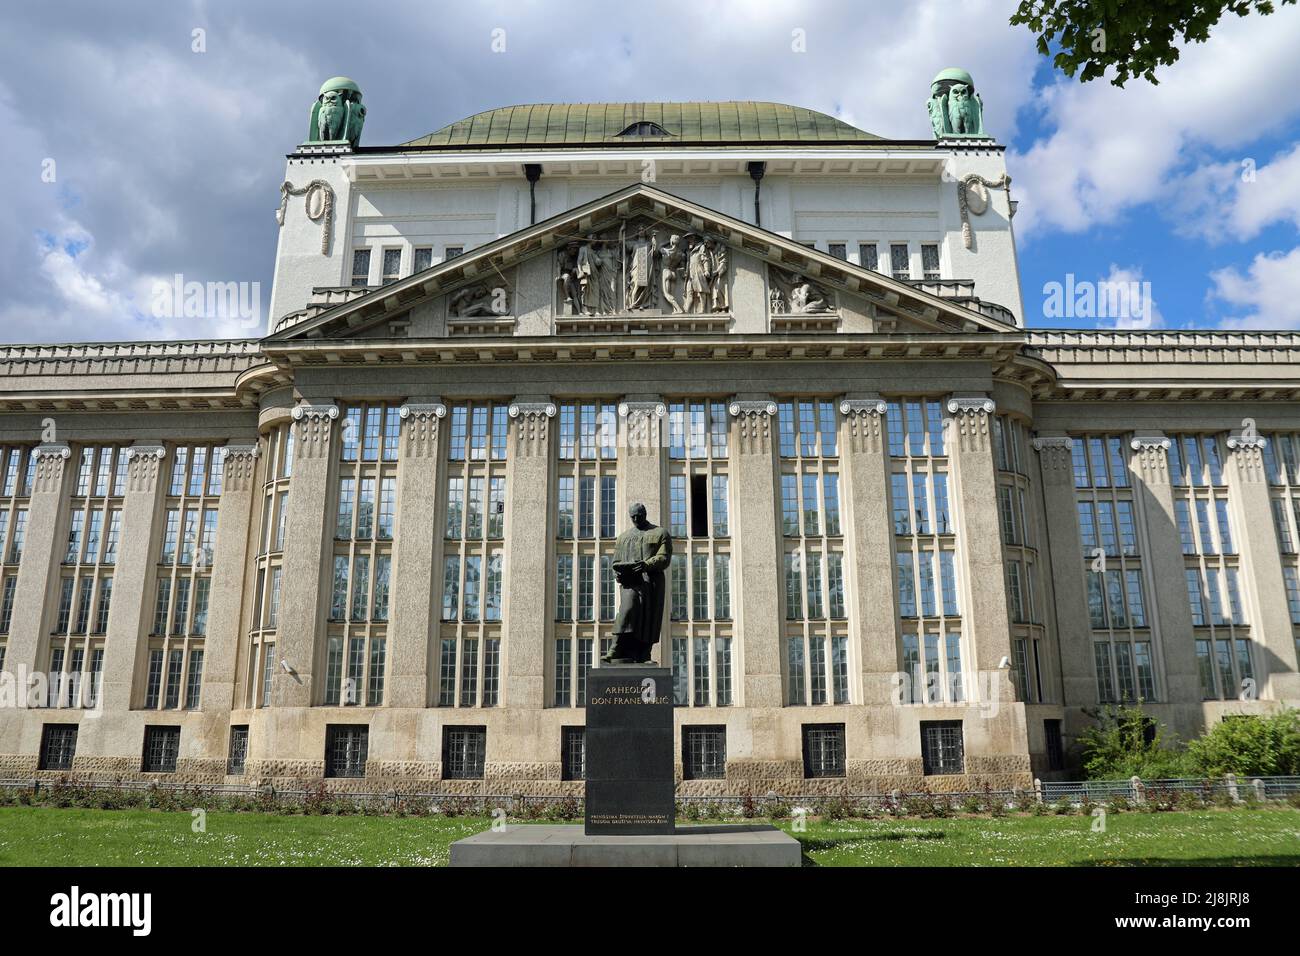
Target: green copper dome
956,75
340,83
636,124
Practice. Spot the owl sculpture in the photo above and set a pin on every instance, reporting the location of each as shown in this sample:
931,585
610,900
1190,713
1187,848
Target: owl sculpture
964,110
332,116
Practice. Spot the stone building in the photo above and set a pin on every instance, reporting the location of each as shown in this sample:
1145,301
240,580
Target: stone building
915,541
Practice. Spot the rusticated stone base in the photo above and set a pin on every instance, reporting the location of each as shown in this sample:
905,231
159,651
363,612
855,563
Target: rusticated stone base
542,779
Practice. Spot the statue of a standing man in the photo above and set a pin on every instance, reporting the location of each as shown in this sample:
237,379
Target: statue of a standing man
641,555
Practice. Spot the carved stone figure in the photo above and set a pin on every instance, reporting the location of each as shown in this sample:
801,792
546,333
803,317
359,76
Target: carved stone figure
794,294
641,253
721,294
699,277
641,555
672,260
479,299
570,287
337,115
628,268
590,275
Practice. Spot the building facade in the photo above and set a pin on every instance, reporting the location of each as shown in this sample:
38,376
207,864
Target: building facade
915,542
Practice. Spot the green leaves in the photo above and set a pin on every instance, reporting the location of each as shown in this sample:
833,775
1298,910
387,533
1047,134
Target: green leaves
1130,37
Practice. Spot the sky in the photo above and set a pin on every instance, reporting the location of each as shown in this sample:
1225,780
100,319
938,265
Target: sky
145,140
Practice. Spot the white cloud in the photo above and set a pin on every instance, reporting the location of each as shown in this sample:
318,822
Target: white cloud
1239,199
1114,149
1265,296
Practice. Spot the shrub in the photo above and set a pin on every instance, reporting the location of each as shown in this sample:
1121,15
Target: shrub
1250,747
1127,743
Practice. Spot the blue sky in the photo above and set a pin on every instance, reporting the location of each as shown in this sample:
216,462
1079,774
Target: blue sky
168,160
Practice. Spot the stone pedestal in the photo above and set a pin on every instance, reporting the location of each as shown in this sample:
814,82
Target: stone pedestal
629,751
549,845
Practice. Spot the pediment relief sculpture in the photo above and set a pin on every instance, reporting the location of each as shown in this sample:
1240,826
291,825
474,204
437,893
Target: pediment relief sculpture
485,299
792,293
643,267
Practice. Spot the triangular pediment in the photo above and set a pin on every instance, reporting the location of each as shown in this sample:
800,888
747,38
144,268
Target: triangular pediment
805,286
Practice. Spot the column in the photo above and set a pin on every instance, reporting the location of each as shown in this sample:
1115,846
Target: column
226,621
1173,617
417,546
528,578
755,527
1253,532
126,643
984,615
641,478
869,544
303,594
38,570
1064,550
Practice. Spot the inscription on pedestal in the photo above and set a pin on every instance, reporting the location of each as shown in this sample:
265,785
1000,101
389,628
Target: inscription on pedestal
629,751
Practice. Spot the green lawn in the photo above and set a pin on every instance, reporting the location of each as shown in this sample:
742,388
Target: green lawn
54,837
1191,838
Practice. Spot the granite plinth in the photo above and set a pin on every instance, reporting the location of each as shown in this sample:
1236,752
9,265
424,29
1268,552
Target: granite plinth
704,845
629,751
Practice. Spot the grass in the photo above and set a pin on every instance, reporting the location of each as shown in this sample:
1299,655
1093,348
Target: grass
40,836
1181,838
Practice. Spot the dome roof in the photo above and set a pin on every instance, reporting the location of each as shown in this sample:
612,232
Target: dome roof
637,124
340,83
955,74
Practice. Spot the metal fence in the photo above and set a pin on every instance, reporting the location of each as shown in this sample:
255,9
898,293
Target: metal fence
1073,793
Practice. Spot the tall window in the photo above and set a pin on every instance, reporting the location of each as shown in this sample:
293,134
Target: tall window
1212,568
17,471
85,587
183,585
277,453
1281,458
469,637
900,261
1109,522
361,267
925,561
701,607
586,524
816,609
929,261
356,642
1020,554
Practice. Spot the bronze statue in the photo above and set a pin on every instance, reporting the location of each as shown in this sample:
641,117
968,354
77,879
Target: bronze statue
641,555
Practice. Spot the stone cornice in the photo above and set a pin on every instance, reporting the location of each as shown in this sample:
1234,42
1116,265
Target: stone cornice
1051,365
